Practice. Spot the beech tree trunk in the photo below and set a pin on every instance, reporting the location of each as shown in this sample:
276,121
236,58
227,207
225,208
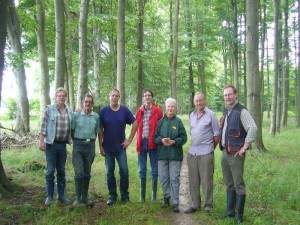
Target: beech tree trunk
121,51
253,81
298,74
43,55
276,61
175,51
82,73
60,58
14,35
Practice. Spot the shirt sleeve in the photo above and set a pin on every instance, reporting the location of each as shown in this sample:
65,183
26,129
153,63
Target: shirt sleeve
249,126
44,122
215,125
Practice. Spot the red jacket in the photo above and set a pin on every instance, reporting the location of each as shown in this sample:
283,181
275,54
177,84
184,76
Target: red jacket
155,116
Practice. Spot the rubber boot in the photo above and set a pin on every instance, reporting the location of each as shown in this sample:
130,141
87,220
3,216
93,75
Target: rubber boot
154,191
142,190
78,189
50,191
166,203
61,193
86,184
231,199
240,203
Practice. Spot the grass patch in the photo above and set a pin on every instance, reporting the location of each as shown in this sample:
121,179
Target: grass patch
272,184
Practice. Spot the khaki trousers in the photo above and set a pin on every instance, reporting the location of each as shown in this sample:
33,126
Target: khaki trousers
201,169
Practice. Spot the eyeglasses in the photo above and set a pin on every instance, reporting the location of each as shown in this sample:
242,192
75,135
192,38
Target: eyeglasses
86,102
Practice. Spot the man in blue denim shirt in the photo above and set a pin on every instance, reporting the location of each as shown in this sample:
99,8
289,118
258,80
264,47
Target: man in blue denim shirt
55,133
85,128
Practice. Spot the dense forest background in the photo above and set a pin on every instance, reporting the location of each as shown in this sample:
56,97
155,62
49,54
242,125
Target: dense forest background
173,47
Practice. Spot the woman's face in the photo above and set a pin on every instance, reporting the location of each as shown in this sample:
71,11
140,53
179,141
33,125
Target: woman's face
170,109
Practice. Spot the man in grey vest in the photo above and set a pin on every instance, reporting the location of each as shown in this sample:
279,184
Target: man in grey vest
238,130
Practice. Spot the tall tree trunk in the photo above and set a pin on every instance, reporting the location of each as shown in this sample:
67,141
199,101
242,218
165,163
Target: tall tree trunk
140,48
14,35
97,11
286,70
190,50
298,74
113,48
5,185
175,51
262,43
269,105
60,58
82,73
171,33
276,61
69,58
43,55
280,74
235,45
121,50
253,81
3,35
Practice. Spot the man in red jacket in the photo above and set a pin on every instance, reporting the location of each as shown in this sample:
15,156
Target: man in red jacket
147,117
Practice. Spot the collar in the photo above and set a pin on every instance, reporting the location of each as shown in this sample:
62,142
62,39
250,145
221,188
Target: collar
230,107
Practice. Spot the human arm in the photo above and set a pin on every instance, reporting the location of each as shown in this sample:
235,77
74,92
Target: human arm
43,131
100,140
251,129
127,142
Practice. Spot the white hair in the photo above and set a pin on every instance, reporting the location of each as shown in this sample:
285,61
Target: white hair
171,100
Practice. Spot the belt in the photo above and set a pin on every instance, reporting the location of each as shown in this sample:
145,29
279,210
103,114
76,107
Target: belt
85,140
60,142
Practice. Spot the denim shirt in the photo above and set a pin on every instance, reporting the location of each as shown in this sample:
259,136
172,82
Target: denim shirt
51,124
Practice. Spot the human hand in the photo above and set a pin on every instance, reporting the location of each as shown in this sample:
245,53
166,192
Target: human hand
240,152
102,152
42,146
126,143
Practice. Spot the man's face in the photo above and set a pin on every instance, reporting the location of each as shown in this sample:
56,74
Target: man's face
147,98
88,103
229,96
60,98
199,102
114,98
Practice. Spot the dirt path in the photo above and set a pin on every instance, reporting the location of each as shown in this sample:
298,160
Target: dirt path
181,218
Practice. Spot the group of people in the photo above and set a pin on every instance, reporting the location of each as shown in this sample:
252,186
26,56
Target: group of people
160,137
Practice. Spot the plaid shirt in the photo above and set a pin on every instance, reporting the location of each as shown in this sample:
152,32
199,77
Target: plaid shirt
147,113
62,125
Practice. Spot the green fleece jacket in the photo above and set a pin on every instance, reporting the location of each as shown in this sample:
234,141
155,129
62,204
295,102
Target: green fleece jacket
174,129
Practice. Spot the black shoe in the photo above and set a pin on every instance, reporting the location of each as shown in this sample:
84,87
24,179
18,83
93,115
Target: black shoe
125,199
191,210
226,215
208,211
176,208
166,203
110,201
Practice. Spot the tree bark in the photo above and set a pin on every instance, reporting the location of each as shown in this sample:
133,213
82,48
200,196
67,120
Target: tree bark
14,35
286,70
235,45
121,51
60,58
97,11
3,35
43,55
82,73
190,51
140,48
298,74
69,59
175,51
253,81
276,61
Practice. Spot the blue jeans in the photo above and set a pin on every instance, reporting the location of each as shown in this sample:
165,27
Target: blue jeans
56,156
83,157
142,161
121,158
